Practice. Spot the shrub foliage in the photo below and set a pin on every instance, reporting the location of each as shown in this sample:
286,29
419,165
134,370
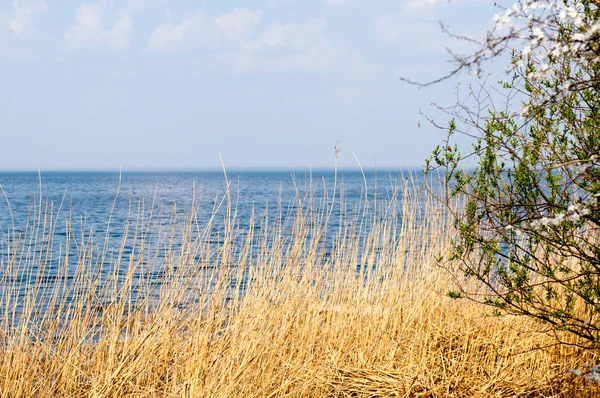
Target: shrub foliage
527,216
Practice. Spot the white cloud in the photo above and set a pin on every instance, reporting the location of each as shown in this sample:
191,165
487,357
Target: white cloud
296,47
239,24
168,35
294,36
412,5
89,29
239,47
200,31
24,12
421,5
87,25
118,36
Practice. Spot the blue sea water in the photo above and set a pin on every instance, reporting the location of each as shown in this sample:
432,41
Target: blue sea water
92,195
103,206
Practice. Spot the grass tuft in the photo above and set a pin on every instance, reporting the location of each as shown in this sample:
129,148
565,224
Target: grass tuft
309,303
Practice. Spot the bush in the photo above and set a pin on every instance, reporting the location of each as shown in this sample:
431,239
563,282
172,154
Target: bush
527,217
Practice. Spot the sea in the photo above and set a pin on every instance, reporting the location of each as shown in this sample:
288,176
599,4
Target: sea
96,196
45,214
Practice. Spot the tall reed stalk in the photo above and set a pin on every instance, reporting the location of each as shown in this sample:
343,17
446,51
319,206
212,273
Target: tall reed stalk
311,302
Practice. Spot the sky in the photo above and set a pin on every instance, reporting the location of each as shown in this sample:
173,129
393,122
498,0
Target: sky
157,84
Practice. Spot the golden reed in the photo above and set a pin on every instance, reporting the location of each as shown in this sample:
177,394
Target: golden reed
314,303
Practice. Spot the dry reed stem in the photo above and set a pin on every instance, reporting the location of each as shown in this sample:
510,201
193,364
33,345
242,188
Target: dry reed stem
369,319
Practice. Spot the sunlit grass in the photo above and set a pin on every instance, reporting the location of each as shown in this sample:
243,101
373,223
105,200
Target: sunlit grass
312,302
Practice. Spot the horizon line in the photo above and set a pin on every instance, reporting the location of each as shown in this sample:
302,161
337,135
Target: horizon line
194,169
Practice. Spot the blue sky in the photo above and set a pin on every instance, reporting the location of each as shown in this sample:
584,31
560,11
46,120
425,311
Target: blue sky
274,83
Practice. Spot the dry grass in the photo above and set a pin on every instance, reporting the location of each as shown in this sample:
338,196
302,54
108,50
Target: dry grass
264,310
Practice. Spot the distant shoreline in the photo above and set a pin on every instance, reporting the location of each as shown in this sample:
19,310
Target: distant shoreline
218,169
